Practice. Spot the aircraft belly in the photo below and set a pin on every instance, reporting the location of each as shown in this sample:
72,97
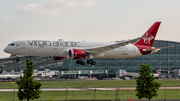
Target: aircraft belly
114,54
117,54
122,52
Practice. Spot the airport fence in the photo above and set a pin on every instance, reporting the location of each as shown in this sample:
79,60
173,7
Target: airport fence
93,94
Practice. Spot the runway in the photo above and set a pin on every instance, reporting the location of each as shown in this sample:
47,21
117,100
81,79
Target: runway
78,89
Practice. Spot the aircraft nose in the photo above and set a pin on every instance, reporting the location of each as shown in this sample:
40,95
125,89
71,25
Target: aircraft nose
6,49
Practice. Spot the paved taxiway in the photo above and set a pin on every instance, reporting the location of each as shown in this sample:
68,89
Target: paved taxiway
77,89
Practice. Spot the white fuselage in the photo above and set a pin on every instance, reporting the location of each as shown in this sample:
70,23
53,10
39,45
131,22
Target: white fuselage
60,48
9,76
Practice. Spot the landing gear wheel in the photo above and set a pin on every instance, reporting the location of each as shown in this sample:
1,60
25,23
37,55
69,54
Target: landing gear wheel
18,59
93,63
82,63
89,61
78,62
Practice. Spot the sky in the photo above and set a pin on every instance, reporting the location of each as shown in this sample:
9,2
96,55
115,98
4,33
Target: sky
89,20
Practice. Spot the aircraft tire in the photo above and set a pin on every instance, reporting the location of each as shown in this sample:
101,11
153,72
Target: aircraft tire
82,63
78,62
93,63
89,61
18,59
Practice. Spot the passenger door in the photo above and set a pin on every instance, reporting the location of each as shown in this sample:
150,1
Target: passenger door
22,45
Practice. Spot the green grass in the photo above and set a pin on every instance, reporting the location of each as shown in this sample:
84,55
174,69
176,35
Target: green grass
89,95
93,83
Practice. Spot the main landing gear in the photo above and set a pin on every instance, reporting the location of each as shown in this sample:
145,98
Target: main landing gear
91,62
88,62
80,62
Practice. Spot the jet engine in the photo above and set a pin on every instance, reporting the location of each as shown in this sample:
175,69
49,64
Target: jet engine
56,57
77,54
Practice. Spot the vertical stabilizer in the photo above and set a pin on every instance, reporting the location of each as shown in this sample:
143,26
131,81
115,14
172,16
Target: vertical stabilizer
151,32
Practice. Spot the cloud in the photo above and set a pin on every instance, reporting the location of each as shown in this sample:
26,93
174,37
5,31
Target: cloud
55,7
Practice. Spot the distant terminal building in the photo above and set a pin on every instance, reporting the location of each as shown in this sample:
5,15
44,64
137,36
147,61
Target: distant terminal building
168,59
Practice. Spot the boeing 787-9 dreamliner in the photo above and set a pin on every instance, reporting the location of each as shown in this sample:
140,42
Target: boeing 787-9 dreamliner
78,50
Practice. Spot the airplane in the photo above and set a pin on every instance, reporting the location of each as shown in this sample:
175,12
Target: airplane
158,74
6,63
78,50
8,76
45,74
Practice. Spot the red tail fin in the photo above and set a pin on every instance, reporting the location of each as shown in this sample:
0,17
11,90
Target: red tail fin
159,68
159,74
159,71
148,41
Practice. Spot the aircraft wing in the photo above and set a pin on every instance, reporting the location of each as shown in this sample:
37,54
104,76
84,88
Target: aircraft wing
101,49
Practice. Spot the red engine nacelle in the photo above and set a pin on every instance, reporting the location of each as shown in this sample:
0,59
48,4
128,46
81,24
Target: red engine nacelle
77,54
56,58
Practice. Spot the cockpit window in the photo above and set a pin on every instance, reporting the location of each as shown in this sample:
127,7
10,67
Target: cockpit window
11,44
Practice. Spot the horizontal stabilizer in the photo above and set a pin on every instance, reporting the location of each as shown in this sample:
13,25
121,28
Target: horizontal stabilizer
159,48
